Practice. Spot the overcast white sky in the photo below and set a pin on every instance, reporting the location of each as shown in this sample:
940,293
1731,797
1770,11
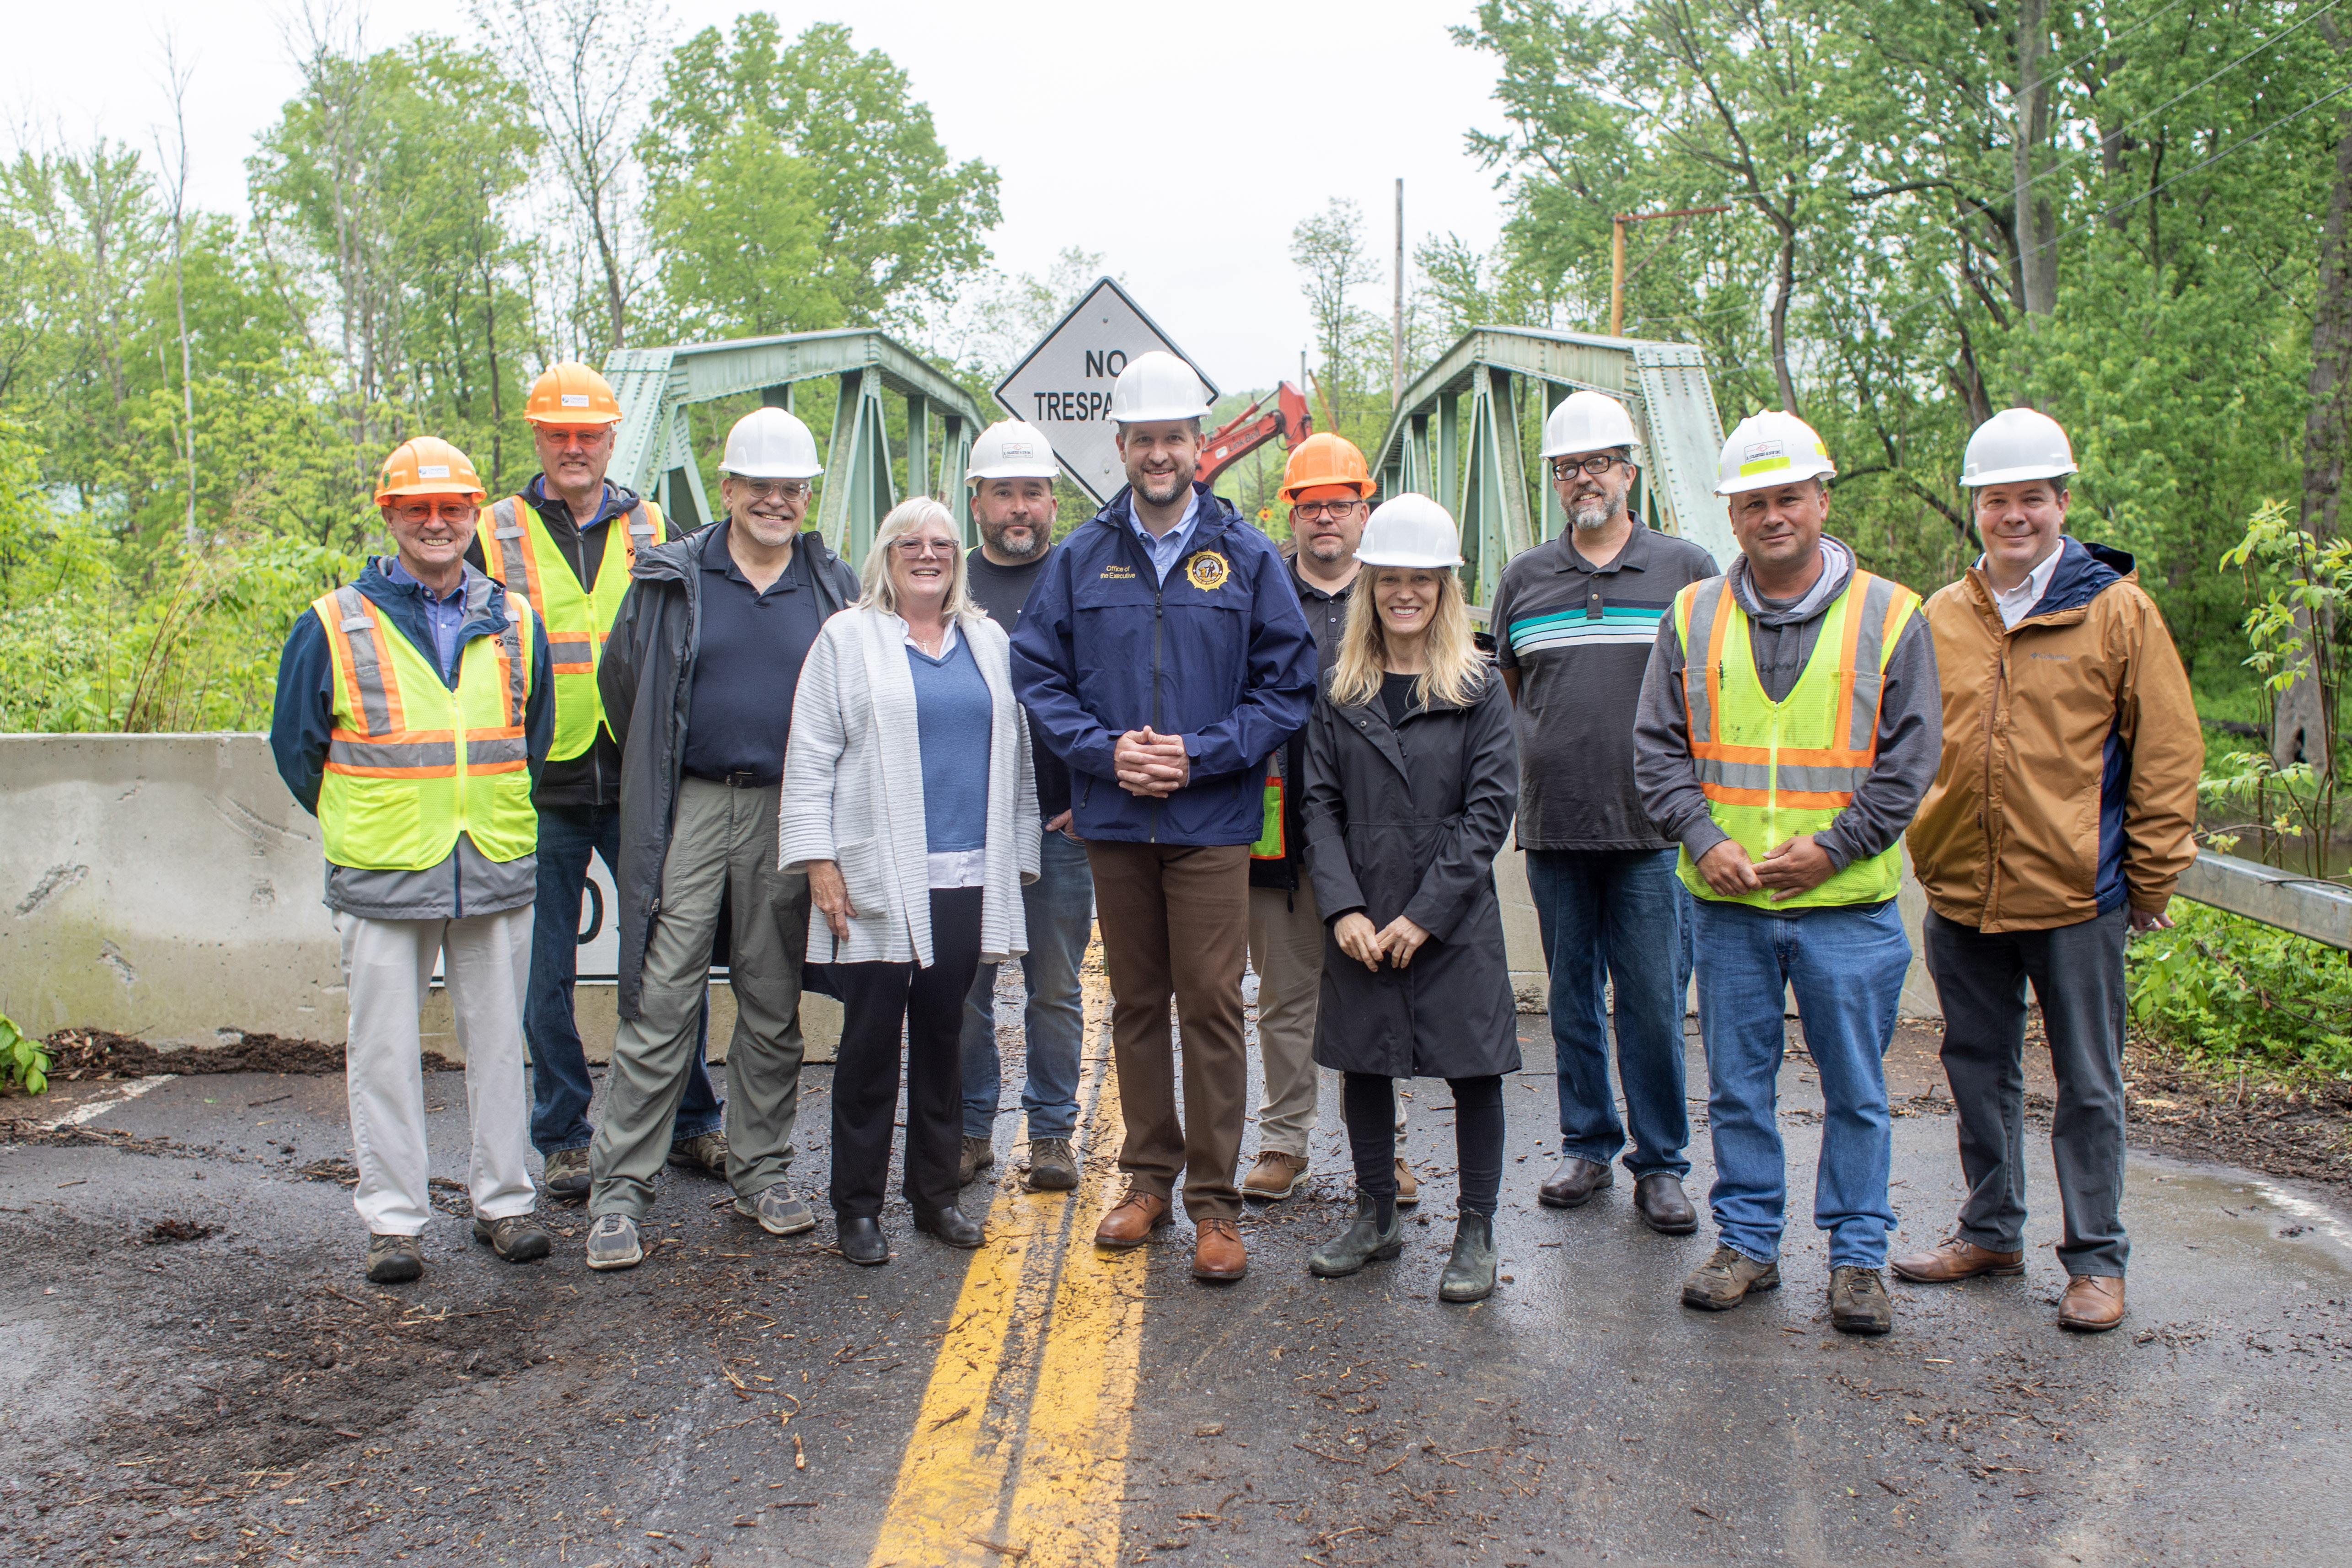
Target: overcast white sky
1100,119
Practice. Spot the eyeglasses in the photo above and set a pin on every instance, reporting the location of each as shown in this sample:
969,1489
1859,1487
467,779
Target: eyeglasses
787,489
918,549
1316,510
1597,465
417,513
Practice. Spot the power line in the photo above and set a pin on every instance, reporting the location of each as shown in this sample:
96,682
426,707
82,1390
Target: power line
2106,45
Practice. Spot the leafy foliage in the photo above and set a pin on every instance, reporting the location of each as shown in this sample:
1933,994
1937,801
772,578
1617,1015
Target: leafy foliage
2231,992
23,1063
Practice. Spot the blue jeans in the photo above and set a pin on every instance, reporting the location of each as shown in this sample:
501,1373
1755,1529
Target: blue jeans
1617,915
1060,906
559,1089
1846,966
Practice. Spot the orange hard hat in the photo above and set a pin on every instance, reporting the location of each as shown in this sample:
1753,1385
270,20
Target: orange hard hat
1321,460
428,466
571,393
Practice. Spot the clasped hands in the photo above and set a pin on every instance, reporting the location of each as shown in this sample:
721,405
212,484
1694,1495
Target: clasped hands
1397,942
1152,764
1797,866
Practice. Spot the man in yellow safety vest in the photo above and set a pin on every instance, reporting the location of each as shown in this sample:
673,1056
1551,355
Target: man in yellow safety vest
413,708
567,543
1789,723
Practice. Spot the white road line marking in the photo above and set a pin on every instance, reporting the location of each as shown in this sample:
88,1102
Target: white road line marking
89,1111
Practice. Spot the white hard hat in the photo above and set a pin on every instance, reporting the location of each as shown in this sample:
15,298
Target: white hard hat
1011,450
1157,385
770,444
2017,444
1769,450
1587,422
1410,531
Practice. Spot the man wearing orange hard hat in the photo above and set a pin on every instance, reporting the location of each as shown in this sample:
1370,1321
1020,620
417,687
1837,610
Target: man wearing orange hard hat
414,707
566,542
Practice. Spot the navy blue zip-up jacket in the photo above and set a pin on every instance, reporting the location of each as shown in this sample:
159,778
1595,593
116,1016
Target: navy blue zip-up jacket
2085,571
1220,654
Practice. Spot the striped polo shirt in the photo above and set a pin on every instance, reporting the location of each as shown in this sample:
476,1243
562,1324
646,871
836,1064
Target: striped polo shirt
1580,637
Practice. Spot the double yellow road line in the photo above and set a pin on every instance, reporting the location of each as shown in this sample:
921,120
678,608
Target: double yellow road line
1022,1440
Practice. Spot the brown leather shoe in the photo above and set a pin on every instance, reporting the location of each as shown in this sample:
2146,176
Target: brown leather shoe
1131,1222
1663,1207
2092,1304
1952,1258
1574,1183
1217,1251
1275,1176
1408,1184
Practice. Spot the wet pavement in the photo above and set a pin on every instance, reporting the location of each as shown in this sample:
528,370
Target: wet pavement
245,1397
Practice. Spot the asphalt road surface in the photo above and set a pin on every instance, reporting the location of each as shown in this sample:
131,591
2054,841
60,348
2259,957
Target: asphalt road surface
195,1371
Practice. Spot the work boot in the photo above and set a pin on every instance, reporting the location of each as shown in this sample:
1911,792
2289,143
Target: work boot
862,1241
613,1243
1660,1200
978,1155
518,1238
1574,1183
1858,1301
394,1260
1275,1176
1470,1273
1053,1166
777,1210
1728,1277
1362,1241
1952,1258
566,1177
950,1225
1218,1256
2093,1303
1408,1184
1133,1220
705,1155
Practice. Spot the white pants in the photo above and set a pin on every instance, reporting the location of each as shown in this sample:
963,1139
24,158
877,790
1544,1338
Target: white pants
388,968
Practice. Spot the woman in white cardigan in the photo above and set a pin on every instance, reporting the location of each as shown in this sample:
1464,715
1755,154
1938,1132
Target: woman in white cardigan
909,799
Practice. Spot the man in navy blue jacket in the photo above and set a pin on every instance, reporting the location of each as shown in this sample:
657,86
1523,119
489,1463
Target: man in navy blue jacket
1162,656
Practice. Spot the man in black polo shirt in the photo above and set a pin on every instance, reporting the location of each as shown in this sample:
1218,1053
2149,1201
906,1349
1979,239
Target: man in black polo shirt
716,625
1574,619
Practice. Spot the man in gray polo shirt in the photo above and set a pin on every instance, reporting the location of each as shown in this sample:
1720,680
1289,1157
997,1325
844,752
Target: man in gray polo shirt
1574,619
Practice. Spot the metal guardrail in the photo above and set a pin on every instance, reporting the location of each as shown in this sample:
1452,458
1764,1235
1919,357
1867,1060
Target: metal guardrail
2305,905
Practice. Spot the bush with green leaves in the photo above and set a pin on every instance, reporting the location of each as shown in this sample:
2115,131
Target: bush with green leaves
23,1063
2230,992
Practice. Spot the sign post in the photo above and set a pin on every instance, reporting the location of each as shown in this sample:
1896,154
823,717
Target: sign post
1063,386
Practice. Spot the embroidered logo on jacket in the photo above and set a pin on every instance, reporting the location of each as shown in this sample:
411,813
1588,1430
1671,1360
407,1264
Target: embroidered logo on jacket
1207,570
1117,573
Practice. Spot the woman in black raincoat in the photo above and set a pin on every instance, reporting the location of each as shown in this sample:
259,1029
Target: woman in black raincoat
1412,776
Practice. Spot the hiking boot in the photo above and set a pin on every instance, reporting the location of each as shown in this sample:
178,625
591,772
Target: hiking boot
566,1177
1364,1241
1470,1273
1052,1165
394,1260
978,1155
1858,1301
706,1155
777,1210
1728,1277
1952,1258
1275,1176
518,1238
613,1243
1408,1184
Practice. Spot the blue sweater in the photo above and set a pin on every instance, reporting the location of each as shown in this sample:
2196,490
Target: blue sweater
954,716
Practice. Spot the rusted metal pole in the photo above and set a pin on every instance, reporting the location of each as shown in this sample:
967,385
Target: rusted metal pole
1617,256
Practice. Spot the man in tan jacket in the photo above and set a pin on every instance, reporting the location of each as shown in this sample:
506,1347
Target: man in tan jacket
2063,812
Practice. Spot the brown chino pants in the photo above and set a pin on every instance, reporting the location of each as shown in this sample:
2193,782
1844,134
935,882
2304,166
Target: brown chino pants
1175,922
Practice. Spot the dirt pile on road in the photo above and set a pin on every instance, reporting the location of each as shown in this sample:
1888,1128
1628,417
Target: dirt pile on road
84,1054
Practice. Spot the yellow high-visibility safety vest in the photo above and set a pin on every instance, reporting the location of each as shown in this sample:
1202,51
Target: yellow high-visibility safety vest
1773,770
518,552
411,763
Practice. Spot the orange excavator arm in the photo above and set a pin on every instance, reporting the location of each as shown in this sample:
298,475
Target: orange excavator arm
1228,445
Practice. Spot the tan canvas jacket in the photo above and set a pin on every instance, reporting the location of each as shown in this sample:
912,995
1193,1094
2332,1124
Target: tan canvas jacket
2009,837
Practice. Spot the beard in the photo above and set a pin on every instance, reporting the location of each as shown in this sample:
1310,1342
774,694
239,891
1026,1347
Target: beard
1591,515
1000,538
1164,490
1326,546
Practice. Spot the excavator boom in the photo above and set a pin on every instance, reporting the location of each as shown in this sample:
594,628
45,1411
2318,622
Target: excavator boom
1252,429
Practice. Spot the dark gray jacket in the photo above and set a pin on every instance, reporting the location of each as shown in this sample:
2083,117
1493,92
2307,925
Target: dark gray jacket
645,679
1406,821
1910,719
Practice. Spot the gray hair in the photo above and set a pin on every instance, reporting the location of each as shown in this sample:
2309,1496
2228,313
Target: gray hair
880,594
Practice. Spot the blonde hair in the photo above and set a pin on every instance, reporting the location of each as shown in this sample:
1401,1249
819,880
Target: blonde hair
1455,674
880,594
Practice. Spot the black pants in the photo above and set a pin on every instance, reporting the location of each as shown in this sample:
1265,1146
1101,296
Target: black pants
1368,1100
2078,973
877,1000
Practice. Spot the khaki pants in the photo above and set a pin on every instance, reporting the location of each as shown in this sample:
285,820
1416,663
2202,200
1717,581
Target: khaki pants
1285,952
1174,922
724,847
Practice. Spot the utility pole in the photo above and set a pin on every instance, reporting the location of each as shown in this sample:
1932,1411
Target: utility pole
1396,330
1617,258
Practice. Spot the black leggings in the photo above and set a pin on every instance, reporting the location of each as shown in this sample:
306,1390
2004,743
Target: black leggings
1371,1105
877,1001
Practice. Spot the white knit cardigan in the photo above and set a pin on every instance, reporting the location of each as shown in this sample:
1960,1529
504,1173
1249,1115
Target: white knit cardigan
854,793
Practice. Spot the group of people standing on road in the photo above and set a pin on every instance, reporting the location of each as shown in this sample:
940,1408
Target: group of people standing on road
1226,755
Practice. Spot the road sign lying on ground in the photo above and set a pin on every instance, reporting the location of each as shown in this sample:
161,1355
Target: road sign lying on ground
1063,385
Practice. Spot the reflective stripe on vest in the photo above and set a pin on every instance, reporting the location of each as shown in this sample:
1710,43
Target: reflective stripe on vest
410,764
1773,770
518,551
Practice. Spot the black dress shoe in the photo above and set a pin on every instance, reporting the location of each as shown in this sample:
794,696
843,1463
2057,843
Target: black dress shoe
1662,1205
861,1239
1573,1184
951,1227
